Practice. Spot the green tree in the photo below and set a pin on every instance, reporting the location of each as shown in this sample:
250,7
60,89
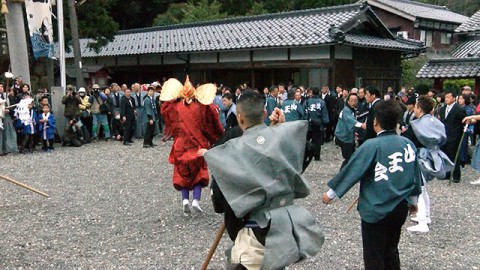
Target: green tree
237,8
202,10
192,11
410,68
173,15
257,9
94,22
138,14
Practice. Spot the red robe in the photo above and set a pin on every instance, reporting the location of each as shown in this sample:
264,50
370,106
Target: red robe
193,126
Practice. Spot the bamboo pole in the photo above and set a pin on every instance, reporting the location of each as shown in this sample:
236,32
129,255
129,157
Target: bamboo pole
457,153
23,185
218,237
352,204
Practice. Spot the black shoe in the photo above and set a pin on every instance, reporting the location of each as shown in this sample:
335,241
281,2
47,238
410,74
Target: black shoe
456,180
130,141
127,143
146,146
153,145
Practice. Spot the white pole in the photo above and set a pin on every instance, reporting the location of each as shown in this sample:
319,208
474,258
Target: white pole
61,43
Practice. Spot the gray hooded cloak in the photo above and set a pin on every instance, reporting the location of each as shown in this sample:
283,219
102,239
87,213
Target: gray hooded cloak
430,132
266,178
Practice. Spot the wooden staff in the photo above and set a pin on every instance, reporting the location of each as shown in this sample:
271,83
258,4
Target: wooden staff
457,153
218,237
23,185
352,204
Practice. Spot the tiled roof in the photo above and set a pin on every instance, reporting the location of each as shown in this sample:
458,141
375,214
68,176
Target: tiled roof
378,42
450,68
469,48
289,29
471,25
420,10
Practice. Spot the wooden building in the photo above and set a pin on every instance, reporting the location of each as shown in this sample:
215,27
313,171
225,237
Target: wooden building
92,74
434,25
342,45
464,62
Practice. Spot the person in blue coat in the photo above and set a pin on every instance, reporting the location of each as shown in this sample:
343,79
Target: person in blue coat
345,130
292,109
46,128
271,103
390,182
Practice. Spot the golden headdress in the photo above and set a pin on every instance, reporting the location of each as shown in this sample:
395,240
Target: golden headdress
173,89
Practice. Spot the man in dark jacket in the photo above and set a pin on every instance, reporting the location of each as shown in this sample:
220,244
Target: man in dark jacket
230,111
150,118
452,116
318,117
71,101
332,108
127,114
372,95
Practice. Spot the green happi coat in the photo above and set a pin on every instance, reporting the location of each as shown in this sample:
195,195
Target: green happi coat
266,179
388,171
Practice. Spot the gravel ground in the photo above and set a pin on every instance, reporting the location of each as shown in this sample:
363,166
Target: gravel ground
114,207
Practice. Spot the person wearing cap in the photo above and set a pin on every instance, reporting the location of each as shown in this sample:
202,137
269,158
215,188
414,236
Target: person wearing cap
85,106
97,99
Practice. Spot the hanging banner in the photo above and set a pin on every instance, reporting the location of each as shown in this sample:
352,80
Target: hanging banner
39,18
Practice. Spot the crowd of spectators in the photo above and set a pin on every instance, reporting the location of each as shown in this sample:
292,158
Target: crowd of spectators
123,113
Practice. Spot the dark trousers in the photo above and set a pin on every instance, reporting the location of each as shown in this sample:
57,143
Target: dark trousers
347,151
148,138
28,142
451,150
47,144
129,128
380,240
317,140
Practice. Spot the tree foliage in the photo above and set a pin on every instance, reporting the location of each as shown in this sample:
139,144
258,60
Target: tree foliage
92,15
410,68
457,85
192,11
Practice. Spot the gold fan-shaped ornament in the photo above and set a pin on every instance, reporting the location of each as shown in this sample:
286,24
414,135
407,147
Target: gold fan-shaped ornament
188,91
171,89
205,93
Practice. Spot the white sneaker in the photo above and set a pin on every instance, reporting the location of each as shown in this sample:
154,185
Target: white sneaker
477,182
416,219
186,207
196,206
421,227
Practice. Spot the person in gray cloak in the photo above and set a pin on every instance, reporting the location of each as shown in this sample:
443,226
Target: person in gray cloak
428,134
8,136
137,96
261,189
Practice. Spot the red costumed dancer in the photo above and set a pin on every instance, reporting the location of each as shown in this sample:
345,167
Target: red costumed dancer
193,121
